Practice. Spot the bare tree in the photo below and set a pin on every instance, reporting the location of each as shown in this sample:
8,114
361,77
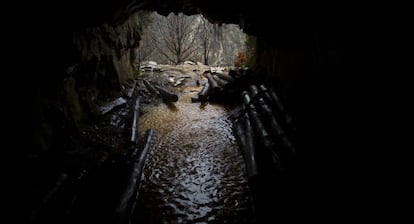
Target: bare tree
146,46
177,38
205,34
174,37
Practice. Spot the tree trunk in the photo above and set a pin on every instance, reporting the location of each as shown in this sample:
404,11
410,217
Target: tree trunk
259,128
235,73
222,83
205,55
254,91
150,87
286,148
225,76
166,95
112,105
131,191
134,130
213,84
266,112
204,92
246,139
195,99
284,118
271,122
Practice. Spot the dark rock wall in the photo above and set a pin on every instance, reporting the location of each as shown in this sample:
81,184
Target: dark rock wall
81,53
92,48
107,54
88,64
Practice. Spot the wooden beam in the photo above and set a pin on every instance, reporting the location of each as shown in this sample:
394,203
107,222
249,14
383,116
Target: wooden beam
130,193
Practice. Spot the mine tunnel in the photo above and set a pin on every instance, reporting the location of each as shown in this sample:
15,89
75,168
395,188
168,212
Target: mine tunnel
79,171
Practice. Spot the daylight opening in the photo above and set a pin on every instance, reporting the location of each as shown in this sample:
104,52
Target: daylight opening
177,38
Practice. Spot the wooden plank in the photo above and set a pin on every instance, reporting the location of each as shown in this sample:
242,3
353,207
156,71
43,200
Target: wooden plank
134,130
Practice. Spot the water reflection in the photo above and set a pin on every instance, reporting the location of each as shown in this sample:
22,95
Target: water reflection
195,172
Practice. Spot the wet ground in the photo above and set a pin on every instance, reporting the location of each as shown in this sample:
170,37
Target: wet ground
194,173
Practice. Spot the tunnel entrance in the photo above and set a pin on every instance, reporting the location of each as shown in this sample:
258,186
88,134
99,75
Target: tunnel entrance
82,102
179,38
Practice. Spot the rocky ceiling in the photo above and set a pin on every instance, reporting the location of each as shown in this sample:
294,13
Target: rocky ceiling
254,17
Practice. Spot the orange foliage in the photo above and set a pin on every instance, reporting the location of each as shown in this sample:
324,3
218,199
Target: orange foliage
241,59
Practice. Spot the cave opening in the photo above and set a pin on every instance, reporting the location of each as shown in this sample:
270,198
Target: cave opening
96,64
178,38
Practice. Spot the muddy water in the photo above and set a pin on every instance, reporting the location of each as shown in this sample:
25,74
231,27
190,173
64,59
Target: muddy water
194,173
